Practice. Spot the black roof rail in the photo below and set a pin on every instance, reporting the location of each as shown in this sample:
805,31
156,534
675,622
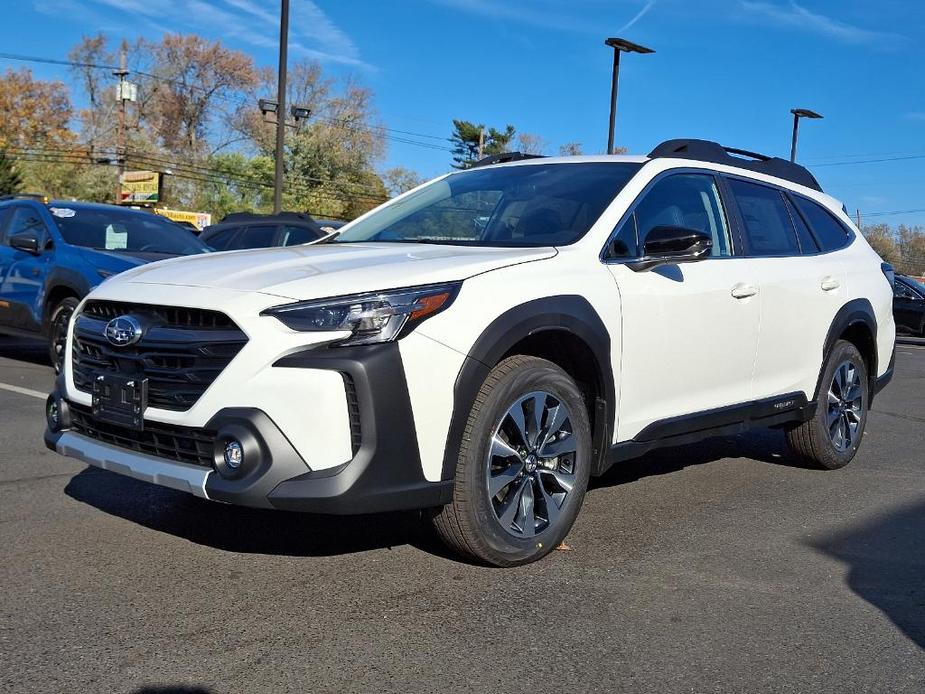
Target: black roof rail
713,152
504,158
41,197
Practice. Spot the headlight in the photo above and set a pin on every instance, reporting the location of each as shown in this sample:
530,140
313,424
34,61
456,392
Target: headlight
374,317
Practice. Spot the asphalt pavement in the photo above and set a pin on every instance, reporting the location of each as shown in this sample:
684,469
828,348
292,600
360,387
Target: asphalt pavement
718,567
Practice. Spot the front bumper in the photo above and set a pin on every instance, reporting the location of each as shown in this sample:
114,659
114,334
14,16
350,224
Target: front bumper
384,473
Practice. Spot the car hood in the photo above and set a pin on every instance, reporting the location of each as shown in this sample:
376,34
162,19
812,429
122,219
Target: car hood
301,272
112,260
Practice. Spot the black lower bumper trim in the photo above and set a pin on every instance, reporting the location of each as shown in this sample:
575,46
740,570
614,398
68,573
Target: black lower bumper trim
385,474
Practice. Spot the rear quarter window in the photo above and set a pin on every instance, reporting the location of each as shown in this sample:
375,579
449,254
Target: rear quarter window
829,232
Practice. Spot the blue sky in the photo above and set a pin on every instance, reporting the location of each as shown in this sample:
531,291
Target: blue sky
728,70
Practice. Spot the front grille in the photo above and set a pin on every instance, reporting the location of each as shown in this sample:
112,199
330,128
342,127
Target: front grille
181,353
181,444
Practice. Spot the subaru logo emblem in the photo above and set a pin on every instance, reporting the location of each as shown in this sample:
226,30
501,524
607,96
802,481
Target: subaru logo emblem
123,331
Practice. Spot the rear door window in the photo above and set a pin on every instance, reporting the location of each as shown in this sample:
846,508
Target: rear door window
831,233
259,236
768,228
807,241
223,239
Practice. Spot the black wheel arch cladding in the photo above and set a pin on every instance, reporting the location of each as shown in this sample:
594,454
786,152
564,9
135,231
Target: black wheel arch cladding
571,314
856,315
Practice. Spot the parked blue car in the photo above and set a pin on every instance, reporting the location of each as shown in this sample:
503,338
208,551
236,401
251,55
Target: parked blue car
52,254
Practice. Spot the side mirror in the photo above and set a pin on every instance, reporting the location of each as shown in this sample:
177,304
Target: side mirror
27,241
670,245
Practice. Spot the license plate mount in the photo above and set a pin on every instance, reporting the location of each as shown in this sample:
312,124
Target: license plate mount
120,400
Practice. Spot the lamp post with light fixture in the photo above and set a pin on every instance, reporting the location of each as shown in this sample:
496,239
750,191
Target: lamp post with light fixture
619,46
799,113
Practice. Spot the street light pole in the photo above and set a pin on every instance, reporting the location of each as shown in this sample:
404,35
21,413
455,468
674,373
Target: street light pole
799,113
613,99
619,46
281,108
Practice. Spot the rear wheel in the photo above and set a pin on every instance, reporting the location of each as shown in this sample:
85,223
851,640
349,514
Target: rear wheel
58,322
832,437
523,465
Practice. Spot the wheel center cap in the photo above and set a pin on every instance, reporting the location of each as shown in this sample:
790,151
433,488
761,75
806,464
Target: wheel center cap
530,463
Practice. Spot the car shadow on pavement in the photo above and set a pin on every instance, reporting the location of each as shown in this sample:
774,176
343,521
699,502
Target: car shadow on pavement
25,350
885,558
762,445
247,530
258,531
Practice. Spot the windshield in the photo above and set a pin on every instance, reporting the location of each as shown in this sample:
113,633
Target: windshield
124,231
527,205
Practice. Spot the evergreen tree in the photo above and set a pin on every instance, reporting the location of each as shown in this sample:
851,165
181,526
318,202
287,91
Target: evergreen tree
10,180
465,141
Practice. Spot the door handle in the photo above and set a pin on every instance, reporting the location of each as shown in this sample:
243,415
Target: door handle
743,291
829,283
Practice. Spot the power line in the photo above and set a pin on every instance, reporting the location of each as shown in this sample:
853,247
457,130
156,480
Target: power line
870,161
383,130
891,213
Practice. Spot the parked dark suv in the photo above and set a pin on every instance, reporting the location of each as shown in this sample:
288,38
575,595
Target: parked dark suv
241,230
909,305
52,255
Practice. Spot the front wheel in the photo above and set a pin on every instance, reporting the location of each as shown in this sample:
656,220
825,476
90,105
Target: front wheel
832,437
58,322
523,465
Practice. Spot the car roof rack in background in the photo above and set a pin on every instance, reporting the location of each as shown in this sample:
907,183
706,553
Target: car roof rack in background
41,197
705,150
504,158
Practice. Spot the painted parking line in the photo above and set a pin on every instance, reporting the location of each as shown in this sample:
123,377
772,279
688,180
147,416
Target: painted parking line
23,391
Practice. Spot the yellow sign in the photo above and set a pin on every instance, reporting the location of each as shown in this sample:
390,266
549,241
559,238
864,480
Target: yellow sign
198,219
140,186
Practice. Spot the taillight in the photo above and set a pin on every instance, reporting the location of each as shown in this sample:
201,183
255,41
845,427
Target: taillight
889,273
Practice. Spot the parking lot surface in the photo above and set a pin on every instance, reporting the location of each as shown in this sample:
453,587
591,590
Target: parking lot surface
718,567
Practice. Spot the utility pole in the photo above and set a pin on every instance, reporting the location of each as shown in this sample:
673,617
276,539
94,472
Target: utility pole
120,147
857,213
481,141
281,108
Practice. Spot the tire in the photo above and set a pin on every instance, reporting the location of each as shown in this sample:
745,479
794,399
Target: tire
537,494
832,437
58,321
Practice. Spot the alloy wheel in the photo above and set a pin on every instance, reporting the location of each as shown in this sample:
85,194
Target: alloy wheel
845,406
531,464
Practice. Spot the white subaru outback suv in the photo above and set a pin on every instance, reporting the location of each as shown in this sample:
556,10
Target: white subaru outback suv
482,345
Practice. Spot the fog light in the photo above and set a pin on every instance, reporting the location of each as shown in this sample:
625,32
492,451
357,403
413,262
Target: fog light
53,414
234,454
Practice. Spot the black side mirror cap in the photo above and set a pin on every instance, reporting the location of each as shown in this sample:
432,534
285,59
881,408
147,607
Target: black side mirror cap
26,241
670,245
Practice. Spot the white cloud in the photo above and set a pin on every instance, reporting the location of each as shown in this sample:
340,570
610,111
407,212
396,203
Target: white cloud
543,14
312,33
798,17
639,15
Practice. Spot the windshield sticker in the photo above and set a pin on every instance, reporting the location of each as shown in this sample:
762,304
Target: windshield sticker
116,239
63,212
